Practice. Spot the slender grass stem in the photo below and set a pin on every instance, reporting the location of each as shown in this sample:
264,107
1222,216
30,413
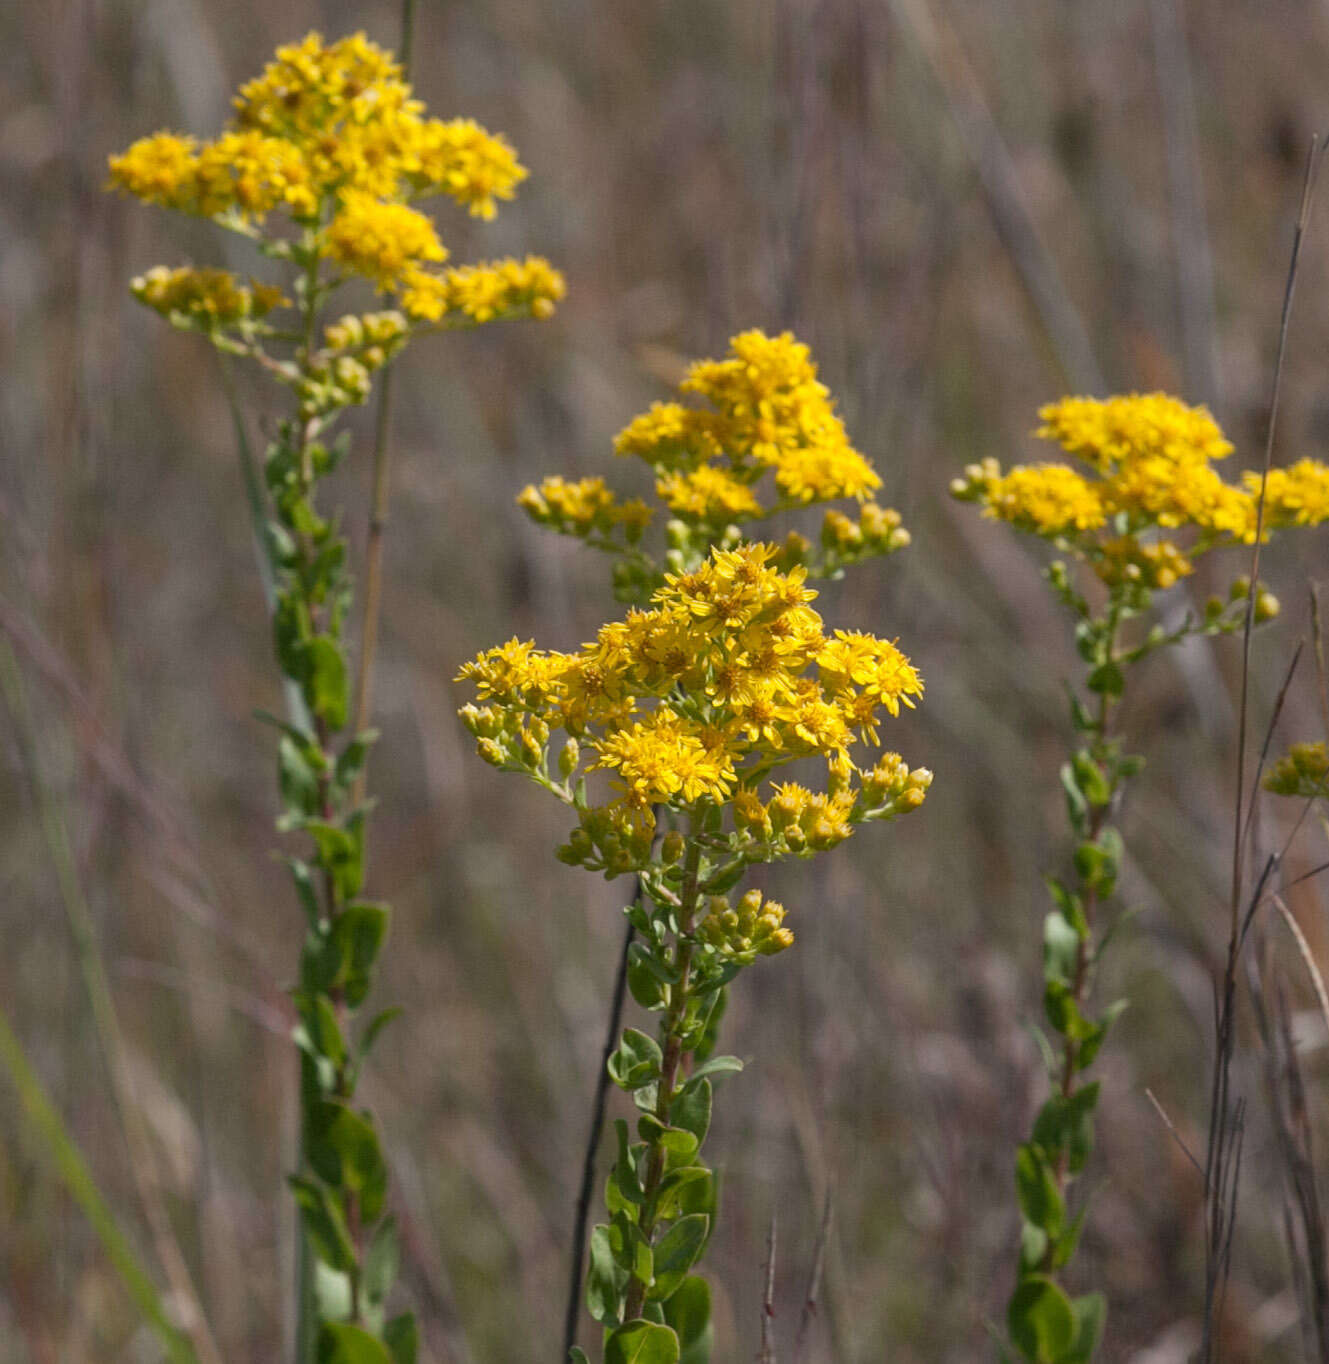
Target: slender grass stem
78,914
46,1122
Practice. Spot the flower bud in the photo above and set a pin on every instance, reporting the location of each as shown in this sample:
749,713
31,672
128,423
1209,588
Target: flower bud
672,847
568,758
1266,607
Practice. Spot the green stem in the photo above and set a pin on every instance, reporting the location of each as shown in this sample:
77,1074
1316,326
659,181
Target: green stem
671,1030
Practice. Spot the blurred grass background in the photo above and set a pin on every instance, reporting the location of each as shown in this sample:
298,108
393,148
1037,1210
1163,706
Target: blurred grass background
967,209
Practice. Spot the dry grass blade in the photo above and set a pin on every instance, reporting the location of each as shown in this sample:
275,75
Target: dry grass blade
996,171
1176,1136
1227,1118
79,917
810,1298
766,1355
1304,948
1303,1212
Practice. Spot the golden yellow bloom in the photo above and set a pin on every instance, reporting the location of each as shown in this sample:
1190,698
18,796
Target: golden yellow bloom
1048,499
380,241
1111,432
708,494
585,505
332,135
728,676
1295,496
529,287
666,759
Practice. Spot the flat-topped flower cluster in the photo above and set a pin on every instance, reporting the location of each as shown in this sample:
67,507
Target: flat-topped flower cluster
693,705
1148,473
331,137
767,441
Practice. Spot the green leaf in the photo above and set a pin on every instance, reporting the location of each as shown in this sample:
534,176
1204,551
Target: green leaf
359,930
637,1060
674,1185
297,776
1090,779
1077,808
643,982
341,1343
321,1034
1107,679
402,1337
353,757
1036,1189
376,1026
688,1311
1097,1034
341,852
677,1251
606,1280
1061,948
1070,1239
678,1142
323,1223
1090,1318
344,1150
304,888
1040,1320
381,1262
327,682
642,1342
577,1356
692,1109
717,1065
1033,1246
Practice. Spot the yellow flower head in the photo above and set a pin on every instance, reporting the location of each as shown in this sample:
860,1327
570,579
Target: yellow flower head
692,703
380,241
1149,461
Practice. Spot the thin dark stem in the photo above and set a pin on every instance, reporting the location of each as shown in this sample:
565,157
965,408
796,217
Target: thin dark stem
1227,1119
1289,290
767,1352
573,1308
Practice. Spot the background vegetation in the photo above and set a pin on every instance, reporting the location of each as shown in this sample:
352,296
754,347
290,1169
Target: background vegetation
966,209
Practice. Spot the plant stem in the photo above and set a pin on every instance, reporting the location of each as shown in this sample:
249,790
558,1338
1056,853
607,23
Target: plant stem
671,1031
582,1213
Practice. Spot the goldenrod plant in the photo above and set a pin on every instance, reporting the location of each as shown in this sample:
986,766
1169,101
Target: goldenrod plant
764,412
765,440
691,708
1129,522
321,168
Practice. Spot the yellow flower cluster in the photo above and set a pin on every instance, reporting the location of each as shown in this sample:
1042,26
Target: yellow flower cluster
754,928
768,412
1150,467
694,703
382,241
584,507
1295,496
1302,771
203,297
480,293
332,135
